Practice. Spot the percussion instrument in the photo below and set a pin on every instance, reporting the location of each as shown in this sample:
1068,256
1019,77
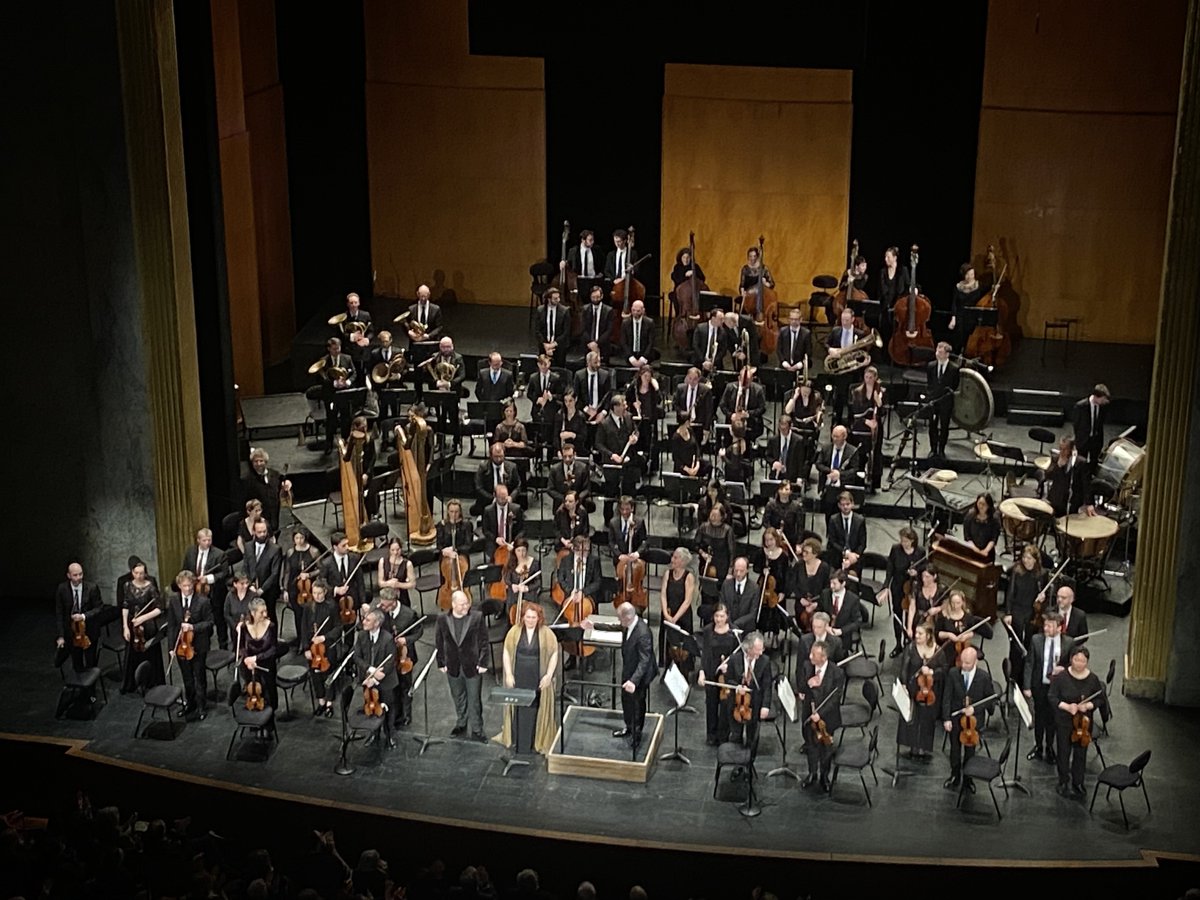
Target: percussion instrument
943,476
1121,468
973,403
1042,462
1023,518
1084,536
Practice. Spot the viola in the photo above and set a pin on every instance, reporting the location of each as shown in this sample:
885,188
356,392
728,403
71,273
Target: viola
742,712
404,663
139,638
770,594
710,568
346,610
184,648
203,588
254,695
822,733
79,635
968,734
1081,729
454,569
925,692
318,661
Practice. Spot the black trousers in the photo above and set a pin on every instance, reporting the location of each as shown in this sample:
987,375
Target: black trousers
403,702
1043,716
1016,659
898,613
959,753
633,708
939,427
194,674
1072,758
716,715
820,757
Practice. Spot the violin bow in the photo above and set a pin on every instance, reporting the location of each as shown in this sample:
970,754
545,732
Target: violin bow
1013,635
987,699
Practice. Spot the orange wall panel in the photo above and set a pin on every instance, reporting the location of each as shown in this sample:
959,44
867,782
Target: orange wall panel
241,264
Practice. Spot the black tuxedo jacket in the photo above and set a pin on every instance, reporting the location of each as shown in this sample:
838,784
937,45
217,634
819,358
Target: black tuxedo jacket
610,262
501,390
465,657
588,316
704,404
460,372
1034,666
562,325
954,697
342,361
1068,489
834,648
266,571
201,619
1077,625
603,387
619,543
722,344
794,351
849,617
376,357
612,436
942,389
847,466
648,338
1089,441
215,564
838,539
754,400
560,484
761,681
743,610
793,460
433,320
637,656
363,317
534,388
485,479
329,568
371,653
575,263
64,603
565,575
265,489
833,681
489,524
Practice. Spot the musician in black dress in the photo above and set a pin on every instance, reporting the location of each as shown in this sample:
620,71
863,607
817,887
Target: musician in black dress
893,284
810,578
952,624
1026,579
717,644
521,578
902,561
966,294
775,559
738,457
571,521
530,661
142,605
677,596
686,457
784,513
645,402
1076,691
570,425
922,657
926,602
258,651
685,268
320,623
395,571
866,405
752,272
981,527
714,538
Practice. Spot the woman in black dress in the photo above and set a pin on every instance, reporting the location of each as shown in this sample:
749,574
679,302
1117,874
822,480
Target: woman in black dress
926,602
1069,695
866,403
922,656
752,272
738,457
258,651
714,495
1026,579
714,540
893,284
773,557
902,561
321,624
245,532
570,426
300,556
238,599
530,661
509,431
141,606
717,644
396,572
966,294
645,400
686,458
981,527
571,521
520,568
951,624
810,577
684,268
676,598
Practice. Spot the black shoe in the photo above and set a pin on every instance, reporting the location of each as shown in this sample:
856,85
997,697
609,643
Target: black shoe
635,740
458,731
970,786
1051,757
570,664
407,720
372,740
1035,753
329,711
826,787
391,743
589,667
478,738
1078,791
952,782
711,741
621,733
202,715
1064,790
318,712
809,780
896,651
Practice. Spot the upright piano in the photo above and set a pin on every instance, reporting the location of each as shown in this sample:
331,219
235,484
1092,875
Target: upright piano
977,578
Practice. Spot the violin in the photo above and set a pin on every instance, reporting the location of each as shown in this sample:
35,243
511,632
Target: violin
303,589
404,665
1081,729
710,568
254,695
184,648
139,638
770,594
346,610
454,569
742,711
79,635
925,692
318,660
371,704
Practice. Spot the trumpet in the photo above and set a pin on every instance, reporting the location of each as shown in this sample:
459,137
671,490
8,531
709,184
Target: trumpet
393,371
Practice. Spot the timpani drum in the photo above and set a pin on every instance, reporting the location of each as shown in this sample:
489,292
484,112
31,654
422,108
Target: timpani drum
1022,518
1086,537
1121,468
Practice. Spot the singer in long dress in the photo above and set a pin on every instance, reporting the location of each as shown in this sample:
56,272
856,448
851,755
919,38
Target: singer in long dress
530,661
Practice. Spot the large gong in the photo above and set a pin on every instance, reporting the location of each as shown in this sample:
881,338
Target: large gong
973,404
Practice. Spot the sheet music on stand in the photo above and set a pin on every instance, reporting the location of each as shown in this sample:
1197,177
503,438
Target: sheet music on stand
677,684
787,698
903,701
1022,706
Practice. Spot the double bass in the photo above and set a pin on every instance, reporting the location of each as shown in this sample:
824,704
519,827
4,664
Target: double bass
911,329
992,343
687,301
767,305
567,283
626,290
849,292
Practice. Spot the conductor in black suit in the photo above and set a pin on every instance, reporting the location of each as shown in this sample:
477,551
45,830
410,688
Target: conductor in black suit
553,326
821,691
77,600
638,669
189,611
461,639
1087,420
964,690
942,378
495,383
371,649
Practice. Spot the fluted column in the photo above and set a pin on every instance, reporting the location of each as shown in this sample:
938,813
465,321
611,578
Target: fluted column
1167,538
154,141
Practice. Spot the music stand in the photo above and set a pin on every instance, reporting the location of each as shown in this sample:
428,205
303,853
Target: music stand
572,634
904,706
710,300
518,699
779,382
1010,455
1026,716
867,310
678,687
426,740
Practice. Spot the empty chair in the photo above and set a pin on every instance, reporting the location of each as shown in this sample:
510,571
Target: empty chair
858,756
155,697
855,715
76,685
218,659
1121,777
287,679
742,757
984,768
867,668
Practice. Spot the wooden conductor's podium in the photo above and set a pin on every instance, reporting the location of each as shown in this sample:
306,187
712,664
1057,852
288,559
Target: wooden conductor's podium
977,578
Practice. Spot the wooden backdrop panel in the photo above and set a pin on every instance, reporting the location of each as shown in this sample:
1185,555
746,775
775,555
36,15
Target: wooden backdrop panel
456,152
1074,165
750,151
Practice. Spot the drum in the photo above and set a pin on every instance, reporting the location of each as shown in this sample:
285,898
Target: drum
973,403
1121,468
1084,536
1022,518
1042,462
944,476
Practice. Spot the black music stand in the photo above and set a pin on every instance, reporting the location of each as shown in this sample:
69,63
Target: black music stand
683,493
565,634
710,300
867,310
680,638
778,383
1010,456
979,317
518,699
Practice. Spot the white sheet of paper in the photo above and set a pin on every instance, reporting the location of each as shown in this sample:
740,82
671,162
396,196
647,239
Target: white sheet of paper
1022,706
903,701
677,684
787,698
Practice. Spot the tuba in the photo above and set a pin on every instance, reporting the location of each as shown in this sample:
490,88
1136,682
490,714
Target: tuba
856,356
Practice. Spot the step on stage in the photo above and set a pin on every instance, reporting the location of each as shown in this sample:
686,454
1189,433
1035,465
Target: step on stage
585,746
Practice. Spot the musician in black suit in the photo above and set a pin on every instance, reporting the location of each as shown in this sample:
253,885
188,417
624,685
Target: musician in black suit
398,619
495,382
553,326
963,694
837,464
942,378
596,324
740,596
448,356
821,692
1074,621
188,611
742,340
342,572
264,561
571,474
593,385
461,638
581,259
77,600
425,313
821,634
384,355
492,471
694,397
1087,422
357,330
1067,483
638,669
578,575
794,344
843,608
840,338
627,537
502,521
845,535
1049,654
711,342
750,670
746,394
785,452
211,567
337,412
638,337
375,661
544,391
893,284
617,261
264,485
615,434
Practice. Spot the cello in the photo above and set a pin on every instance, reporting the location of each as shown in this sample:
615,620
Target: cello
626,289
687,301
911,329
454,569
848,293
992,343
577,610
631,578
